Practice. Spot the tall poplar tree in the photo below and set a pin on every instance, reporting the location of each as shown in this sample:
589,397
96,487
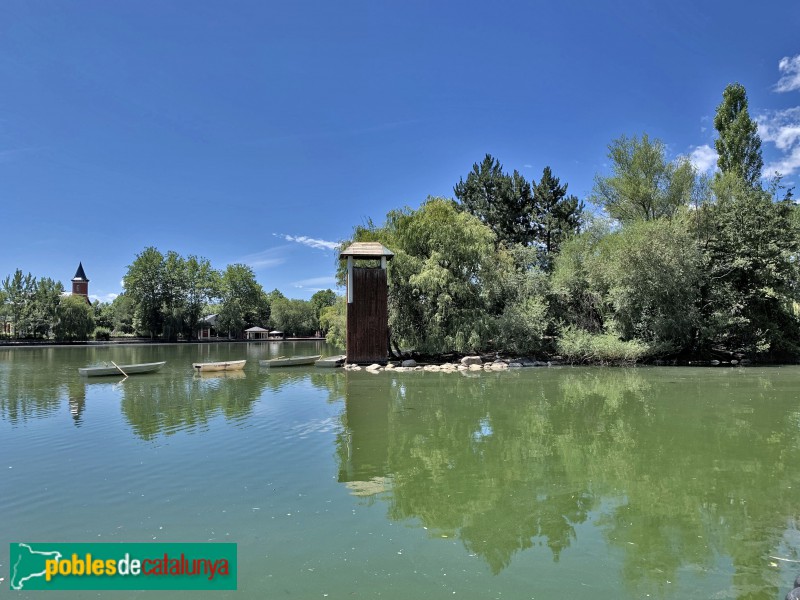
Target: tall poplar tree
738,144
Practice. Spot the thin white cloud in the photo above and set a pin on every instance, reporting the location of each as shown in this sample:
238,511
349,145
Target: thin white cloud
318,283
272,257
704,158
789,67
307,241
782,128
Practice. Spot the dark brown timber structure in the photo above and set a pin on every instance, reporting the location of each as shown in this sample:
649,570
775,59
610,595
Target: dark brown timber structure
367,304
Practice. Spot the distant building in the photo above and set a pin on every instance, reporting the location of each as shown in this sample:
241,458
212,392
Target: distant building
80,284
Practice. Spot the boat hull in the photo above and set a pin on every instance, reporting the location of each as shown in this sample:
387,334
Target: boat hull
330,362
290,361
213,367
127,369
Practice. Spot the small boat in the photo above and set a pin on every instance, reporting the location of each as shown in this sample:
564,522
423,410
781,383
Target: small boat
290,361
209,367
122,369
331,361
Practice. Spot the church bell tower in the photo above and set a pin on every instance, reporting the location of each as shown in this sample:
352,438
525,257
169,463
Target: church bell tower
80,284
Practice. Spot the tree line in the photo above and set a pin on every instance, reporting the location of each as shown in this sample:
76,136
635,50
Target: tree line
166,297
673,264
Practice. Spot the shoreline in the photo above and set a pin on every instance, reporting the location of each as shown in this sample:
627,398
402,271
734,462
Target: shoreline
420,359
141,342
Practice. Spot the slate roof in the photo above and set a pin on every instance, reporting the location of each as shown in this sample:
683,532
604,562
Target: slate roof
79,274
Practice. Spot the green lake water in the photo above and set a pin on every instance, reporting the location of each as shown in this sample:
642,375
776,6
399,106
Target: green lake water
543,483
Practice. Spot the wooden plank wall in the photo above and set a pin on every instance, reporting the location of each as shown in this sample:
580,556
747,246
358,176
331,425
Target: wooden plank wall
368,317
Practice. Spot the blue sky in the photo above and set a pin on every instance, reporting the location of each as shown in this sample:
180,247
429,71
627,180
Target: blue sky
263,132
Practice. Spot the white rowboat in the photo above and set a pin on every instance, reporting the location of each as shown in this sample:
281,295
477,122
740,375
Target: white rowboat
209,367
122,369
290,361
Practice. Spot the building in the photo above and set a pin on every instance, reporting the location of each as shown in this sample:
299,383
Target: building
80,284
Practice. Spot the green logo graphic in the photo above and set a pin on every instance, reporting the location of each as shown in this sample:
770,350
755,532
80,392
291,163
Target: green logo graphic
122,566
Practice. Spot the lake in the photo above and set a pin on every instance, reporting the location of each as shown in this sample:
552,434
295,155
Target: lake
543,483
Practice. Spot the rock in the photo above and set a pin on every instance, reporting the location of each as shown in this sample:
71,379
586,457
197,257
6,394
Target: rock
745,362
538,363
514,365
471,360
554,363
409,363
389,367
499,366
355,368
734,362
463,368
374,367
475,368
794,594
714,363
432,368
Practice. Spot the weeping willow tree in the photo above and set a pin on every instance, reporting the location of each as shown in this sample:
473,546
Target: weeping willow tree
450,287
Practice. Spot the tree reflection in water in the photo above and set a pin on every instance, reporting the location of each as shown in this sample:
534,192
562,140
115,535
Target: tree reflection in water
676,468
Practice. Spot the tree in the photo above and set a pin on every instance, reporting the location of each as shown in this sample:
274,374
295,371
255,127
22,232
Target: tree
174,294
202,287
445,277
103,314
75,319
557,216
296,317
738,144
244,303
643,185
19,290
502,202
333,320
751,270
43,306
144,284
321,300
122,313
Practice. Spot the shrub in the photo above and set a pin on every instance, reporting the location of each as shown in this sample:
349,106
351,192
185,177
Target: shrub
102,334
577,345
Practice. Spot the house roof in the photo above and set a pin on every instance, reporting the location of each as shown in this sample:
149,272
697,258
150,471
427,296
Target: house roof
256,330
366,250
79,274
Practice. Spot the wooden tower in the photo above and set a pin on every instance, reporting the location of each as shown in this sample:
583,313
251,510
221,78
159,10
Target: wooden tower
80,284
367,303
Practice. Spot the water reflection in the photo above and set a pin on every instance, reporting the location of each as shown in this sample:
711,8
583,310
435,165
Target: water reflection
675,468
24,393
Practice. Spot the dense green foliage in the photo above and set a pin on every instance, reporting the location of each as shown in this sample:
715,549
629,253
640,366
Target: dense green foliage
333,321
296,318
643,183
244,302
30,304
451,287
517,211
75,319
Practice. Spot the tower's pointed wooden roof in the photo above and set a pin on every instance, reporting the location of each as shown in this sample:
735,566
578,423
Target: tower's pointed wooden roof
79,274
366,250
